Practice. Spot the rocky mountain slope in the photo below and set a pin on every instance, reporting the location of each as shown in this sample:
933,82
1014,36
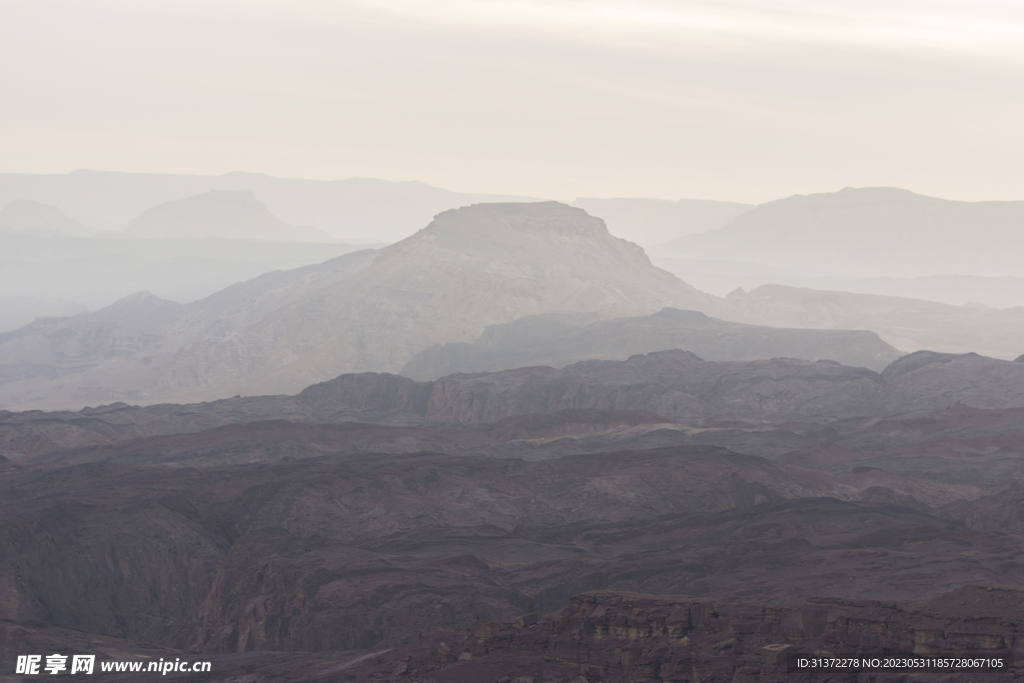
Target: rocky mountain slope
559,339
231,214
470,268
249,529
728,403
359,552
621,637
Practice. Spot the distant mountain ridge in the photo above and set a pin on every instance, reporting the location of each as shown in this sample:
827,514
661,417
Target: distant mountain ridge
907,324
653,221
672,386
885,232
380,210
471,267
232,214
33,217
559,339
371,310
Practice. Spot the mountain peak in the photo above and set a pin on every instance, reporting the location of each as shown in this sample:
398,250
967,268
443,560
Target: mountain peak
522,237
541,218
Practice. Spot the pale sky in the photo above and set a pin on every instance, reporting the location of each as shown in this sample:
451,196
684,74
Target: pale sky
749,100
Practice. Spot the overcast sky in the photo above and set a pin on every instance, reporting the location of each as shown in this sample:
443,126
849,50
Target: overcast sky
748,100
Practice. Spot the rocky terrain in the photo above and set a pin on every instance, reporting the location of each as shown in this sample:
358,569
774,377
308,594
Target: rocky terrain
456,530
669,386
581,501
559,339
473,267
483,265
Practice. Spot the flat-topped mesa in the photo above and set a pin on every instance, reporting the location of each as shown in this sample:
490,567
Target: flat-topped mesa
529,217
278,333
233,214
527,235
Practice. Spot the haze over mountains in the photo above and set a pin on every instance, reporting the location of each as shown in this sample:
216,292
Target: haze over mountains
648,221
366,311
577,426
871,232
470,268
232,214
559,339
470,513
358,208
884,241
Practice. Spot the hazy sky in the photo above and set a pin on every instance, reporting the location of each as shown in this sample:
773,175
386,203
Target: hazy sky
748,100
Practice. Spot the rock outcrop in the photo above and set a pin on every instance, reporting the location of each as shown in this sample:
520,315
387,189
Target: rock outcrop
365,551
617,637
676,386
559,339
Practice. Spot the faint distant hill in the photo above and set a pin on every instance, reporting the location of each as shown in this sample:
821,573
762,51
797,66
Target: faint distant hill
232,214
93,272
869,232
654,221
907,324
18,311
559,339
370,310
376,210
24,215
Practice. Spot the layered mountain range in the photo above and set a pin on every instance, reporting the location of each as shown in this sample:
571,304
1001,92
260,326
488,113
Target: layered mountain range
591,473
870,231
559,339
232,214
383,524
882,241
470,268
371,310
355,208
182,251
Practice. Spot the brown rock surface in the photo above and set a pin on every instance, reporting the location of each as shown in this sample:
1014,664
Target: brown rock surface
362,552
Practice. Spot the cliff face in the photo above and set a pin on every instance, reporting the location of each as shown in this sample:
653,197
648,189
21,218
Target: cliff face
676,385
617,637
354,551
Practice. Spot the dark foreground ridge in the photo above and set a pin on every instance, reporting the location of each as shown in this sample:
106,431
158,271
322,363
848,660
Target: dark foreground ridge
676,385
623,637
346,532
